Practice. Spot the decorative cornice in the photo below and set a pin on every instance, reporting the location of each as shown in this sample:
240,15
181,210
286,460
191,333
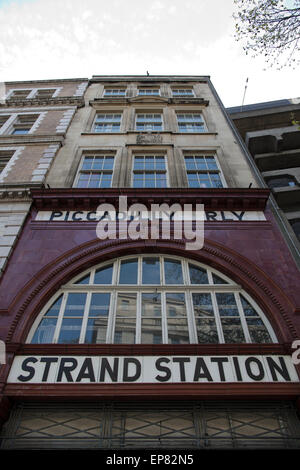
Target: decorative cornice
213,199
17,192
59,101
57,81
148,100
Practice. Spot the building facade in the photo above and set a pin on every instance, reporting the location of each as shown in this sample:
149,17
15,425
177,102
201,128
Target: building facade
271,132
129,332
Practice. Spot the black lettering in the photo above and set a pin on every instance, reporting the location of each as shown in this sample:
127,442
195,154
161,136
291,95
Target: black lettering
224,217
66,369
88,216
67,216
26,368
211,215
237,369
200,365
275,367
75,218
240,217
164,369
181,361
220,361
55,215
261,372
112,371
136,376
48,361
86,371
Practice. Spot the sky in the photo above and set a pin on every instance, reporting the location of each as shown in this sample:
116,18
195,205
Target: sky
49,39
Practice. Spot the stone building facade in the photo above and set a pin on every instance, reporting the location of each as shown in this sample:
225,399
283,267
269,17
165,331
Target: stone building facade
118,336
34,118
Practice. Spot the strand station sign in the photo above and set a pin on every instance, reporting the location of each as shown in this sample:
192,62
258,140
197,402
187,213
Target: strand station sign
151,369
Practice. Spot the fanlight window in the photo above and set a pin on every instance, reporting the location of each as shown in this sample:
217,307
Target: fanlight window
151,300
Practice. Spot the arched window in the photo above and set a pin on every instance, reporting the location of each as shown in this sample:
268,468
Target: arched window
151,300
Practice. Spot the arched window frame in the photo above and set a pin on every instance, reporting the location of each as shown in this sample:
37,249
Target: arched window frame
163,288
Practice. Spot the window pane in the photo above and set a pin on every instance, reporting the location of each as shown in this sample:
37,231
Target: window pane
178,331
218,280
177,319
125,324
151,319
203,305
84,280
87,163
232,330
248,309
54,309
207,330
258,331
151,305
128,272
151,331
75,304
151,271
104,275
126,305
198,275
99,305
227,305
173,272
70,331
45,331
96,331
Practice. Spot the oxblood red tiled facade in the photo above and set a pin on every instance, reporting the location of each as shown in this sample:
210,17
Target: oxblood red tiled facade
49,254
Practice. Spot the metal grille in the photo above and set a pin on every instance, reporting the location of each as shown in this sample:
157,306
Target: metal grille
223,425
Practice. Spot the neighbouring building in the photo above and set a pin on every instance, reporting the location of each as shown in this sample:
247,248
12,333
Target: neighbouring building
271,131
124,332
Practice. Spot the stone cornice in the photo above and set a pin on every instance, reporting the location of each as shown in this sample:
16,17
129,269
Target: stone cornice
17,192
31,139
52,81
59,101
149,78
213,199
148,100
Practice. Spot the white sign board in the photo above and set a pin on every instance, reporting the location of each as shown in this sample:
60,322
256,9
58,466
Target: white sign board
151,369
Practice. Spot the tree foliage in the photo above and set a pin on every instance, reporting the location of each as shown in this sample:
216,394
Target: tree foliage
270,28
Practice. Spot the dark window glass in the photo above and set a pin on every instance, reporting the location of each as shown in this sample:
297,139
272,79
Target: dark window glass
128,271
104,275
173,272
151,271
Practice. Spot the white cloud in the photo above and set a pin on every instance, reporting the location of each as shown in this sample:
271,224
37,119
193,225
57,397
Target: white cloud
42,39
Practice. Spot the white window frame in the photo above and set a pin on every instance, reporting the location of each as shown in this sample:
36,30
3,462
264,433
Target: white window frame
32,92
184,94
8,126
187,288
152,114
204,154
151,155
186,113
95,154
151,91
105,95
107,114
